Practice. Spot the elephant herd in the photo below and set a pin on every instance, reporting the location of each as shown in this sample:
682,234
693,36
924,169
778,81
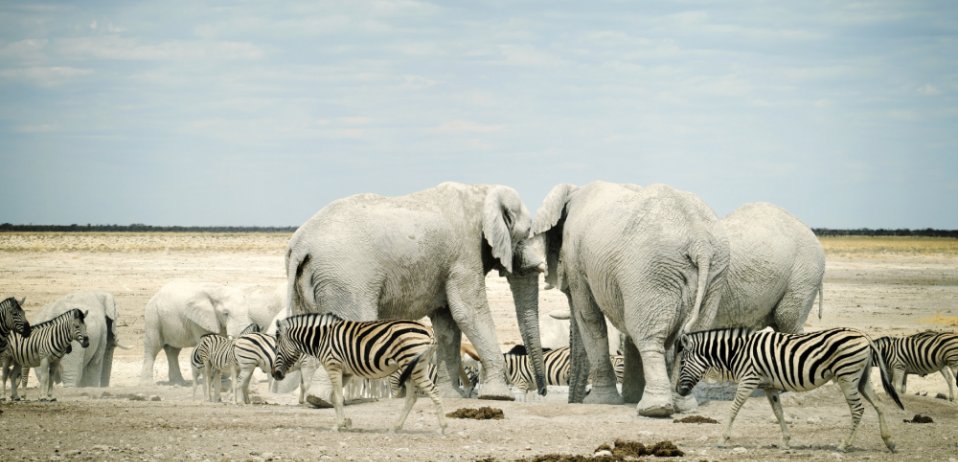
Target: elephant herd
652,261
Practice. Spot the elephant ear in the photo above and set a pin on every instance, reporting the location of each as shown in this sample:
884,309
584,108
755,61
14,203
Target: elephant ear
200,311
553,208
504,221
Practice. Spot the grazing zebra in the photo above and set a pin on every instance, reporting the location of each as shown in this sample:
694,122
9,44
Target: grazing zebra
48,342
775,361
519,371
371,350
12,319
215,353
258,349
922,354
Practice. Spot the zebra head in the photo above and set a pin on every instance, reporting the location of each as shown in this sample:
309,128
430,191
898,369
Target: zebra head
78,327
13,316
287,352
699,352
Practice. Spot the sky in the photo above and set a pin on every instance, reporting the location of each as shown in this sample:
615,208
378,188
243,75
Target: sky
258,113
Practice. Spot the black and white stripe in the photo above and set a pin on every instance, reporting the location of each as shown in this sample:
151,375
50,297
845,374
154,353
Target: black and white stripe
922,354
520,374
258,349
215,353
618,366
371,350
12,319
775,362
48,342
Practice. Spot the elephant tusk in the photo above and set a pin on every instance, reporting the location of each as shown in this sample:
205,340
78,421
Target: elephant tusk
541,267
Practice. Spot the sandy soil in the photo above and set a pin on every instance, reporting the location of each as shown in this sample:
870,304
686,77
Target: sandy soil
883,294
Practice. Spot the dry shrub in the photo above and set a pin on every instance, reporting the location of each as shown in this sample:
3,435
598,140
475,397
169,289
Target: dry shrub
889,246
483,413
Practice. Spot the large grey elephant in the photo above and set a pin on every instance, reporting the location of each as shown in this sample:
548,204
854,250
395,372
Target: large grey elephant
90,366
650,259
776,266
181,312
369,257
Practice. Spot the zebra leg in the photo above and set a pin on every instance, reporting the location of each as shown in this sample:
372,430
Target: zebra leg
408,402
950,380
853,397
234,385
245,374
425,383
869,394
773,400
208,379
336,378
745,389
15,382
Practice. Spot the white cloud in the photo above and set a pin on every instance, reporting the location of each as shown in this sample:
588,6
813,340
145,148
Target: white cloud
929,90
118,48
37,128
43,75
465,126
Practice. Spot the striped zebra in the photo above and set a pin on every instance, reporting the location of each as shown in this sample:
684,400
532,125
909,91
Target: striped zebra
922,354
48,342
519,370
371,350
618,366
776,362
215,353
12,319
258,349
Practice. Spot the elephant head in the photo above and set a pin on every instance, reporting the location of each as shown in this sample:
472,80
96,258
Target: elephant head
506,226
229,314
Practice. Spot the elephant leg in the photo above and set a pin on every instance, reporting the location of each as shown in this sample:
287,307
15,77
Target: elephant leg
173,360
595,339
88,375
149,358
466,294
579,361
449,339
106,367
633,382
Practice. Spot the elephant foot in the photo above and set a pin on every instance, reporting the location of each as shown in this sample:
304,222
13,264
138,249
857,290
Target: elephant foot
317,402
603,395
656,406
685,403
497,392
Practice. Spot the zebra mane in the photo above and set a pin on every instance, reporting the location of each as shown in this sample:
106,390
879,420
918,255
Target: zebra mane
728,331
10,302
73,312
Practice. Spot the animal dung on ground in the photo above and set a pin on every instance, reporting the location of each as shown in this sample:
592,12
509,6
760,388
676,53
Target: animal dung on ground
483,413
626,450
695,419
919,419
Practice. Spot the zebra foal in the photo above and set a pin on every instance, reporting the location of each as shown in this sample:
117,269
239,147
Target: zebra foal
922,354
215,354
48,342
371,350
776,362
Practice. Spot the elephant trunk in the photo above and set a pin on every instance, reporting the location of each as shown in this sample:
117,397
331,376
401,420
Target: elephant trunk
525,294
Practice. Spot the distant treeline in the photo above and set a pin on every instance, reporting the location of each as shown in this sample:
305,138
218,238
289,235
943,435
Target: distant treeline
927,232
138,227
141,228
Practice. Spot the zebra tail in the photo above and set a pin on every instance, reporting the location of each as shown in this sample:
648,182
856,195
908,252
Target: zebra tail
407,372
885,379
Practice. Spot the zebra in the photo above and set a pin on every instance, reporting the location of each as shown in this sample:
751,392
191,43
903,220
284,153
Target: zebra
215,353
519,370
258,349
12,319
618,366
776,362
372,349
48,342
921,353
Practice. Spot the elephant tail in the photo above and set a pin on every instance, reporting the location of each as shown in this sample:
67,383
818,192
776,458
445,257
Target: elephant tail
297,302
702,256
821,298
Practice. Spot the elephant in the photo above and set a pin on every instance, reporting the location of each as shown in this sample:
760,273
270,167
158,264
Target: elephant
650,259
264,303
181,312
370,257
91,366
776,266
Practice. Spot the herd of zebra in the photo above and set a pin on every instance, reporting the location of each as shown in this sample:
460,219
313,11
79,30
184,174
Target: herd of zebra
401,353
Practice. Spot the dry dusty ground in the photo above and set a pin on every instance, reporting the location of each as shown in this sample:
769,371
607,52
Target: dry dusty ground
879,286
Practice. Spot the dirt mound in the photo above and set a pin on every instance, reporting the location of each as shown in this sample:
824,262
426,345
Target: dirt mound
620,451
695,419
919,419
483,413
